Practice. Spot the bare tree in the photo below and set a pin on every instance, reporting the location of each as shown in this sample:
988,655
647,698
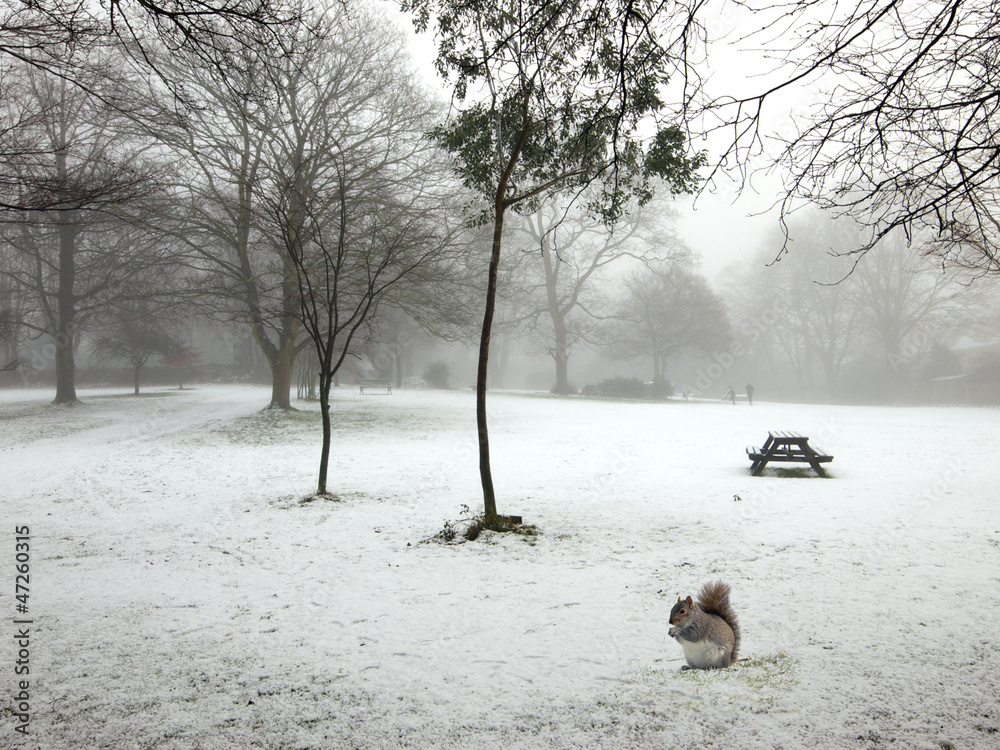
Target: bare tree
72,41
810,315
909,303
48,34
560,95
14,309
271,128
30,179
566,254
247,276
73,258
666,311
813,323
343,272
354,188
898,115
11,325
135,331
227,140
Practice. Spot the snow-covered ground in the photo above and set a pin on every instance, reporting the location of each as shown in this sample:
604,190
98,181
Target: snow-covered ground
183,596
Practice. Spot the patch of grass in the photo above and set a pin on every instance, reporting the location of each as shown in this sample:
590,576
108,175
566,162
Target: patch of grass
27,423
278,426
778,671
472,527
142,394
290,502
757,684
326,497
529,533
754,672
273,427
397,421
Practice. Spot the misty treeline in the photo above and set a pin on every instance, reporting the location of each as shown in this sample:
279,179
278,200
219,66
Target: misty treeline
807,322
282,179
633,294
290,186
813,323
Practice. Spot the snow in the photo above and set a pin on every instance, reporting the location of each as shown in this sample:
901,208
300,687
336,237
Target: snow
184,597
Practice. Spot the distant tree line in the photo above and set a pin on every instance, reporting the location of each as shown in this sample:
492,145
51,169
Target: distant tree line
211,165
819,326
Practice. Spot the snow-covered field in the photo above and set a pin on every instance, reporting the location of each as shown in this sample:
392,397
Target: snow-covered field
183,597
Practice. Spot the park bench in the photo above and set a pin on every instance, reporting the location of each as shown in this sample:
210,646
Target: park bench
787,447
372,386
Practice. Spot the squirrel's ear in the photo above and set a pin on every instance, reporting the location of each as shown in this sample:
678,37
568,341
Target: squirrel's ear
688,601
679,597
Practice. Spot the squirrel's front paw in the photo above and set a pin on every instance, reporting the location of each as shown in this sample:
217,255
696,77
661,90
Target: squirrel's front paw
673,632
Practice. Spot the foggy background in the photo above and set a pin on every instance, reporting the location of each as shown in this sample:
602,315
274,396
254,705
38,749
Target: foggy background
686,298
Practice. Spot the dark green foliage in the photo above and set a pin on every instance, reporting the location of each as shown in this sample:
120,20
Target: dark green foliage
570,95
622,388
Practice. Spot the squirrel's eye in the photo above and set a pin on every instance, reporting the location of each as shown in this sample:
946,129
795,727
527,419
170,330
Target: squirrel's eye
682,612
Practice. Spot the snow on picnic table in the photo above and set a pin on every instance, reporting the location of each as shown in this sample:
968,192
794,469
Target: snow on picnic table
184,597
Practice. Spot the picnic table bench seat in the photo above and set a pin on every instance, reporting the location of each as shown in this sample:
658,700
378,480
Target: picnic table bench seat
379,385
787,447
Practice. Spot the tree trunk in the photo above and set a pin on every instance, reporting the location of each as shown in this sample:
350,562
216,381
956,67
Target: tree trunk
136,378
281,356
65,372
282,364
281,361
66,313
399,364
485,473
561,355
490,519
498,368
281,375
561,346
324,408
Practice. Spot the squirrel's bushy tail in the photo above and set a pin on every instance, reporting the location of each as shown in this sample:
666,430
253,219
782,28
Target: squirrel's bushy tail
714,598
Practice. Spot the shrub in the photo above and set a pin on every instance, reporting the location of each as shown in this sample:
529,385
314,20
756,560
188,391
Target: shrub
620,387
437,374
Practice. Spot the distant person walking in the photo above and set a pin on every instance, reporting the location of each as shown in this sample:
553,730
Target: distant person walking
750,394
730,396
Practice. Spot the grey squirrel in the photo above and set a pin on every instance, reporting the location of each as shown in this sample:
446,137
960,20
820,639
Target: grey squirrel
708,629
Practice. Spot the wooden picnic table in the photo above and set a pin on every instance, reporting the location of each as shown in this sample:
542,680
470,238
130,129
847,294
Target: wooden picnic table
787,447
